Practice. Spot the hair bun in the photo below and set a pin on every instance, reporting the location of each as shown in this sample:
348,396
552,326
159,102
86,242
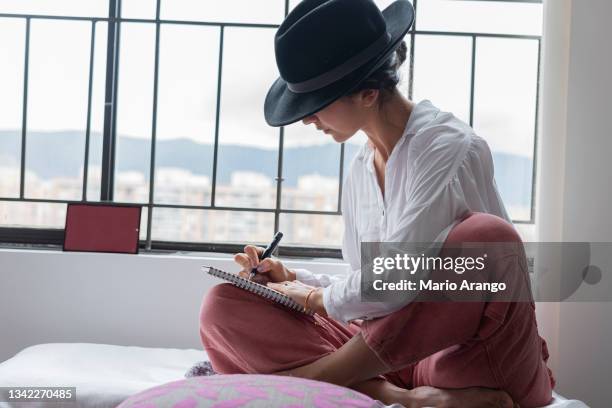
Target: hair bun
400,55
387,77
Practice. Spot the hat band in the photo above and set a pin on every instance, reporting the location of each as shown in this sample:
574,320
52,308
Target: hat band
343,69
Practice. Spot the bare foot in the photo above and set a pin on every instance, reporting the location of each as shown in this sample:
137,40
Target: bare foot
464,398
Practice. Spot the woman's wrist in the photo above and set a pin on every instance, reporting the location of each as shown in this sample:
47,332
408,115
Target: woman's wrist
316,302
291,275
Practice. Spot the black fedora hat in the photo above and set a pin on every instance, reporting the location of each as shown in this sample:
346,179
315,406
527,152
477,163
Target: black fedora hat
325,48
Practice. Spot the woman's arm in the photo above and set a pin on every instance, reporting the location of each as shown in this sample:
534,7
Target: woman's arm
417,224
341,298
432,201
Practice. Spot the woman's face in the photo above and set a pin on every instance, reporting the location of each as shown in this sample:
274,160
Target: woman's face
342,119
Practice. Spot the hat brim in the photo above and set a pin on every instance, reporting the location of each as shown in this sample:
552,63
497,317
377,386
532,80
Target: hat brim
283,107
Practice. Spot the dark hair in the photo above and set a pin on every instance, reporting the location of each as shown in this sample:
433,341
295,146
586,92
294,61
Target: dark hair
385,78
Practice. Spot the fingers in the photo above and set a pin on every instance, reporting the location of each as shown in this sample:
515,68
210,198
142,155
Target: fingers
243,260
253,254
260,278
247,264
266,265
250,258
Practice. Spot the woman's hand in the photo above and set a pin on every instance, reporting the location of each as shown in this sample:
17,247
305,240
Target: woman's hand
268,270
299,291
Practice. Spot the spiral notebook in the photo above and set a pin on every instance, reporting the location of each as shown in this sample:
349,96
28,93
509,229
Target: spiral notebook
258,289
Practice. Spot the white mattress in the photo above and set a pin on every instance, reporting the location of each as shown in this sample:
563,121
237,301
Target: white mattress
104,375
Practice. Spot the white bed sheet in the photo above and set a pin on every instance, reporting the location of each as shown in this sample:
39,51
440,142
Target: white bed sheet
104,375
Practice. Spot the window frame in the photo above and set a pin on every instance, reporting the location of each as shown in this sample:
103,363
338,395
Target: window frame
54,237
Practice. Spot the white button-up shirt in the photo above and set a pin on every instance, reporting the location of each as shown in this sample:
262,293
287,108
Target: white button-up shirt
437,171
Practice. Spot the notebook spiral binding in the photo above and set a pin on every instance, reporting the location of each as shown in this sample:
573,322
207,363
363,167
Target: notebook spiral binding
258,289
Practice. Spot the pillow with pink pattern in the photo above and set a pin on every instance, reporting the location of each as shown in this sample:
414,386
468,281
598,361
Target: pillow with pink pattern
249,390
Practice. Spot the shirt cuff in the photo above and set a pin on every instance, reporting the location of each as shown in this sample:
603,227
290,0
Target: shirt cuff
330,307
328,303
307,277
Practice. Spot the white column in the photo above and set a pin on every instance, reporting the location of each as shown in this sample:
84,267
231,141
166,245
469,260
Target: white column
551,146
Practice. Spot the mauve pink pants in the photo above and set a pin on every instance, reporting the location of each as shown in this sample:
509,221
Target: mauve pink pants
440,344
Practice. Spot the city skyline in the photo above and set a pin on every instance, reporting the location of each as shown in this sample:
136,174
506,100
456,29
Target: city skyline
313,192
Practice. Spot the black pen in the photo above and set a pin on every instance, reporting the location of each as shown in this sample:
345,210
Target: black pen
268,251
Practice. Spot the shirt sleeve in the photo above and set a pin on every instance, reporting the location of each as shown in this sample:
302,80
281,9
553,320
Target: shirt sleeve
434,202
316,279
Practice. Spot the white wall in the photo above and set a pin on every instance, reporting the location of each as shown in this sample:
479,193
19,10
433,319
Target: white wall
575,183
551,147
143,300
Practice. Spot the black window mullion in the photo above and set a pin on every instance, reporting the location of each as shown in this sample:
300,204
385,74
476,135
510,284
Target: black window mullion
279,178
153,128
113,147
279,172
411,61
110,101
88,124
217,115
472,80
24,114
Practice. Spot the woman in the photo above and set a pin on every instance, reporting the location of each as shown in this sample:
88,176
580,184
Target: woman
421,171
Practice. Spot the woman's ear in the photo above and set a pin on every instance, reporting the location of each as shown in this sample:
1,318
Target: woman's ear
369,97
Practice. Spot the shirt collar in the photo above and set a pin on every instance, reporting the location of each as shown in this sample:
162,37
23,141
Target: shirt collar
422,113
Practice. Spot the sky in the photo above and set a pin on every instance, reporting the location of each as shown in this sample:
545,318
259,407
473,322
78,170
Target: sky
59,60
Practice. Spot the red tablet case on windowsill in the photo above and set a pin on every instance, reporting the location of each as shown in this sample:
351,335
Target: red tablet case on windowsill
102,228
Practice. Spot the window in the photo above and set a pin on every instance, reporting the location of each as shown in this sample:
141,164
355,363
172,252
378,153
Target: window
159,102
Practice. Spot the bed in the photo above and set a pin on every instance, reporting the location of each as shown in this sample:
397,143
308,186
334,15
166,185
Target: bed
105,375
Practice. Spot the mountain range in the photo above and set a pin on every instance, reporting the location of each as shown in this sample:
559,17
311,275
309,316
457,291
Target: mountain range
61,154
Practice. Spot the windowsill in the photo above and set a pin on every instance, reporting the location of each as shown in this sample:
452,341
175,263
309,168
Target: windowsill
526,231
166,254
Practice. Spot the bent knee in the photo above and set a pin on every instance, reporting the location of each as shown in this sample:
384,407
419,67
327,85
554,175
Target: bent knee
224,291
215,304
225,300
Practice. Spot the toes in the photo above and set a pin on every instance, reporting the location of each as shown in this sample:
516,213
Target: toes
508,403
504,401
